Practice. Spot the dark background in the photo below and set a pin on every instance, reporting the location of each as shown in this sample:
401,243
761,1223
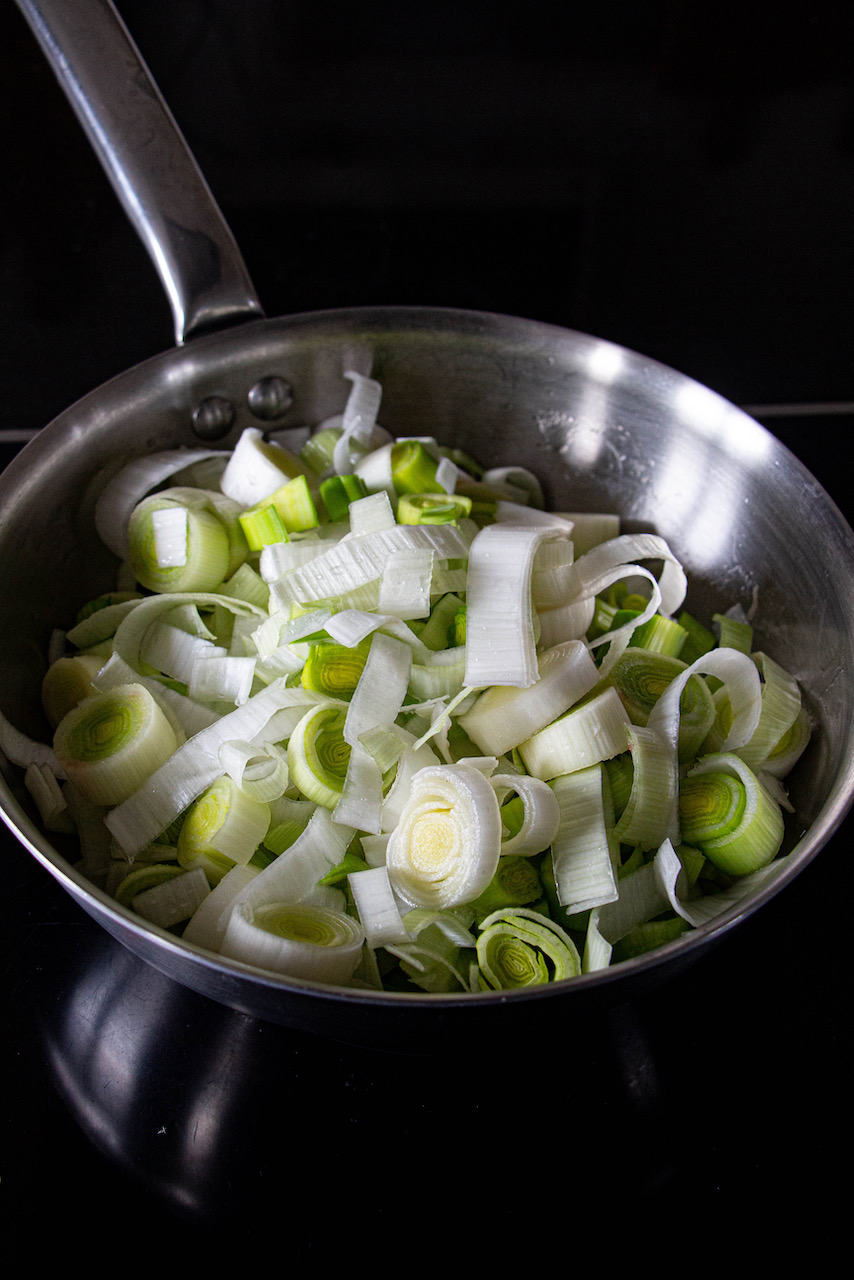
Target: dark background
676,177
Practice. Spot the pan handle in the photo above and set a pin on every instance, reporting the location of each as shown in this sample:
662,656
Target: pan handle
148,162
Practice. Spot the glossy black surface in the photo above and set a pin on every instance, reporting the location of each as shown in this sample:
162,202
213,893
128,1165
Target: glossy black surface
677,178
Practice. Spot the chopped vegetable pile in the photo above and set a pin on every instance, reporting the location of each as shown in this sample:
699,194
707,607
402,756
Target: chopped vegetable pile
368,714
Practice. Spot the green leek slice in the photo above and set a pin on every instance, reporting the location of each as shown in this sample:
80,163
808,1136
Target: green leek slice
113,741
222,827
318,755
519,947
66,683
432,508
208,555
729,815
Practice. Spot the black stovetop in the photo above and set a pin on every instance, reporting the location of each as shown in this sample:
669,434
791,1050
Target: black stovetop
678,178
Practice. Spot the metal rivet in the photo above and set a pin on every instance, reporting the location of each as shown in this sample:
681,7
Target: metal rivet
212,418
270,398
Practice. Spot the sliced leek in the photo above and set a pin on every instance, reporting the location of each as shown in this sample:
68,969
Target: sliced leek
114,741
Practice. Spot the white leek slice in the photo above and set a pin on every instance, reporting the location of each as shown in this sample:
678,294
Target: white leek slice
371,514
503,717
360,431
261,770
552,564
375,704
566,621
377,907
111,743
360,560
257,468
187,716
174,900
49,797
445,849
222,678
540,813
584,848
500,643
299,940
67,681
520,478
206,927
295,874
174,652
597,950
413,758
405,584
595,731
130,485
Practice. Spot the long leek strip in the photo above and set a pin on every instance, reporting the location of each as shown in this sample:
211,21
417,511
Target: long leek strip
206,927
644,894
595,731
552,562
174,900
623,551
259,770
755,838
225,679
785,755
359,560
195,765
646,818
412,759
445,849
174,652
223,826
318,754
405,584
522,516
584,849
295,874
377,907
130,485
359,428
700,910
781,703
66,682
207,561
257,468
540,813
113,742
352,626
597,950
518,947
376,704
280,629
298,940
132,629
187,716
500,643
565,622
504,717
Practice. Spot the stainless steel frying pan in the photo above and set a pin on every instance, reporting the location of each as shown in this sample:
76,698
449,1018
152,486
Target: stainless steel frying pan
604,428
